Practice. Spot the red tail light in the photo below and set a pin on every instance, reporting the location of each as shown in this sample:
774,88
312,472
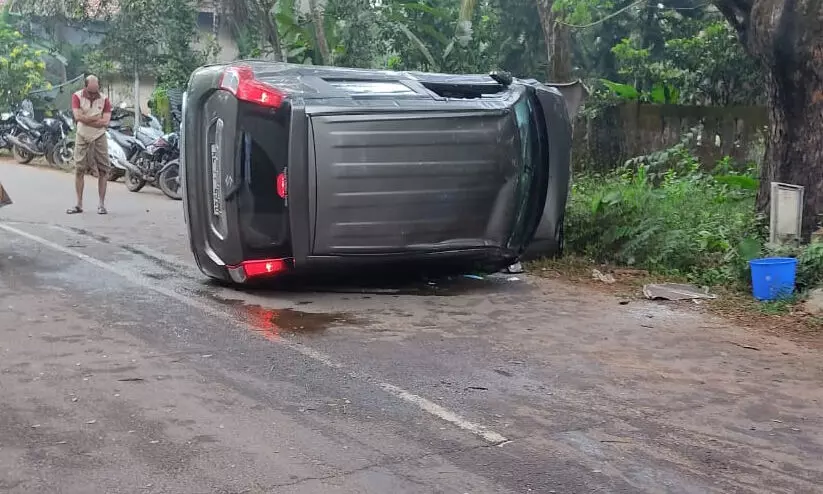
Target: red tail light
281,185
263,267
239,80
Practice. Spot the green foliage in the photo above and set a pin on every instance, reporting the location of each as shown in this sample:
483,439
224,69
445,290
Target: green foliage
161,108
809,262
714,69
705,66
177,33
663,214
296,34
445,36
623,91
21,67
155,37
132,39
354,32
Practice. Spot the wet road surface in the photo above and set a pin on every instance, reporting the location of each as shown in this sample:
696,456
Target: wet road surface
123,370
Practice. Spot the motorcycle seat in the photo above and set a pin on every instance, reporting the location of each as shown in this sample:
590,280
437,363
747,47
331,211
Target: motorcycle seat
122,139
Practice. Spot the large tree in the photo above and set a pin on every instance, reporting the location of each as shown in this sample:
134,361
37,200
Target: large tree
786,37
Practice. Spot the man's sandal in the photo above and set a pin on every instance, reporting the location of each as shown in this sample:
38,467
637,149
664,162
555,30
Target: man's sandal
74,210
101,210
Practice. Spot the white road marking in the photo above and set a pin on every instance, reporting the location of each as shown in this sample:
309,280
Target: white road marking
423,404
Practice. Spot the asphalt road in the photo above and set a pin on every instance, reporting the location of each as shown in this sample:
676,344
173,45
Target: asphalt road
122,370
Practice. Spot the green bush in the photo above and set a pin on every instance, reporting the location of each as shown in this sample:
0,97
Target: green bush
678,220
663,213
809,263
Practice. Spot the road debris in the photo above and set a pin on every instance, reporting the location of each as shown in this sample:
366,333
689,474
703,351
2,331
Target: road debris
515,268
605,278
675,292
747,347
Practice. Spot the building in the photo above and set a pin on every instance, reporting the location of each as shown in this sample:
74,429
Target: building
210,22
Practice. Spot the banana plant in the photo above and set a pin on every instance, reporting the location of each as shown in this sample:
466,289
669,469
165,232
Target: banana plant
443,31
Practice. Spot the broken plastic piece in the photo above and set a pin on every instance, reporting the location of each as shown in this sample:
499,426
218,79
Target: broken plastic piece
675,291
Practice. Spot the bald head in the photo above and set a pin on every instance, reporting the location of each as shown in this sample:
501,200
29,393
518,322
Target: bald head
92,84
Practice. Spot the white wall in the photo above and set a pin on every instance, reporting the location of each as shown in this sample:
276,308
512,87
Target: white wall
122,91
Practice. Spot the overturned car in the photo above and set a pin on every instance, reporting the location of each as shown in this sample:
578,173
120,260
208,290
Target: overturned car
293,167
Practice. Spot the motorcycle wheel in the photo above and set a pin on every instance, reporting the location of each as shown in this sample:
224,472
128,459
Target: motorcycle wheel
169,181
21,155
133,182
62,156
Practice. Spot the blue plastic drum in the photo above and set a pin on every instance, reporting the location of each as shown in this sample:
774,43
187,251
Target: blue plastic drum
773,277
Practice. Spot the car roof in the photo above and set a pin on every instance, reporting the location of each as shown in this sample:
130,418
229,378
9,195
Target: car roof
323,82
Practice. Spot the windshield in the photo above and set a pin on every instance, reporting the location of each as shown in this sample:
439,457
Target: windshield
533,171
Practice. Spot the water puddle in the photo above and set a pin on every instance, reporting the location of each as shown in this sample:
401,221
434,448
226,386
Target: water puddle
272,323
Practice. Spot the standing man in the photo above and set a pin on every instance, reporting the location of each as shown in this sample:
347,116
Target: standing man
92,113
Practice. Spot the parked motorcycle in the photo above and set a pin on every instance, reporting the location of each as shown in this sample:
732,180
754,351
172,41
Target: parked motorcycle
159,166
8,126
132,144
49,138
118,159
147,133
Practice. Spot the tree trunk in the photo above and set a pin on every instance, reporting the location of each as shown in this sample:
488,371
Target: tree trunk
795,147
561,61
320,32
558,43
266,10
138,115
544,10
786,36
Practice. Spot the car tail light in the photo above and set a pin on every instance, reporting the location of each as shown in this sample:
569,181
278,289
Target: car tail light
282,185
261,267
239,80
